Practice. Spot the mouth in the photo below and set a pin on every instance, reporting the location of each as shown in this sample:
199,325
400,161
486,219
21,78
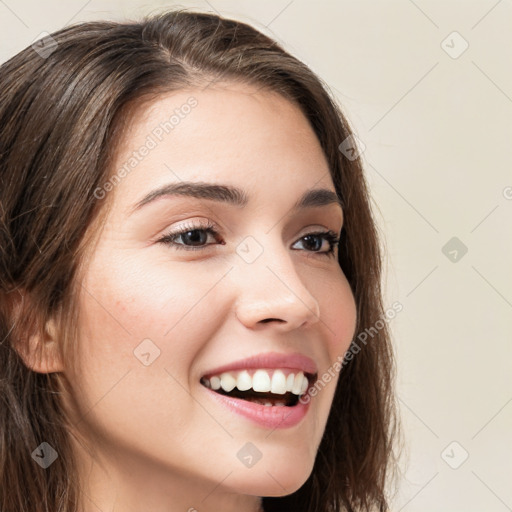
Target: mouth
277,387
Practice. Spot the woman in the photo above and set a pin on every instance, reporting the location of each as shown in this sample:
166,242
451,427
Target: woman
187,257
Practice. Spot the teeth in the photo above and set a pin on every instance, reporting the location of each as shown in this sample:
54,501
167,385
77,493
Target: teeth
215,382
278,383
244,381
274,381
261,381
227,381
289,382
266,403
297,384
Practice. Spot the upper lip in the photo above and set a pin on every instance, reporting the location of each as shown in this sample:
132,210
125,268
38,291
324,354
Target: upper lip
269,360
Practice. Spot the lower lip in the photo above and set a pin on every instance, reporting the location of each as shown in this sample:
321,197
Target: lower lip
269,417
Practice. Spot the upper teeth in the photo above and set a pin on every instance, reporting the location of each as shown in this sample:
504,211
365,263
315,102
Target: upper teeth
263,381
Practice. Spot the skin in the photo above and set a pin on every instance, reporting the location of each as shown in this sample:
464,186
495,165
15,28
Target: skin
156,439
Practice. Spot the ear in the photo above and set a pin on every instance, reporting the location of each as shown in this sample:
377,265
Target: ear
41,351
38,347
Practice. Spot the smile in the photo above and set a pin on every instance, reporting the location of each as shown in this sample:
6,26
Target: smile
268,387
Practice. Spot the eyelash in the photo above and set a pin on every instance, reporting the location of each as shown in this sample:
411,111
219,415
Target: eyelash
169,238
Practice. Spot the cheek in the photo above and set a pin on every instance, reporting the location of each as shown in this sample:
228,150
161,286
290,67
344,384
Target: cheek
338,315
165,317
338,323
132,314
141,300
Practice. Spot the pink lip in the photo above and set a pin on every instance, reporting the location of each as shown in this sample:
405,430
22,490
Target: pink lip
269,360
268,417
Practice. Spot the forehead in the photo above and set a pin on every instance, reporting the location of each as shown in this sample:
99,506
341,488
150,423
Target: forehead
230,133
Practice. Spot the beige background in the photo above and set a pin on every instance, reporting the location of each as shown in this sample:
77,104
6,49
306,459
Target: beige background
437,128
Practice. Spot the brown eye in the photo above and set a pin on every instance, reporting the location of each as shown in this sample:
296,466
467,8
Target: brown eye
193,237
315,240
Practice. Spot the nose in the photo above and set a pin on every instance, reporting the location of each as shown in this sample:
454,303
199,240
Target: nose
271,290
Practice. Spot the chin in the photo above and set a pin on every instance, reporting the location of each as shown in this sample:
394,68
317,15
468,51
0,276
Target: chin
278,479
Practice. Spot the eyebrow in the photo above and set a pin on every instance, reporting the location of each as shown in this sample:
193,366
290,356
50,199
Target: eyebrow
233,195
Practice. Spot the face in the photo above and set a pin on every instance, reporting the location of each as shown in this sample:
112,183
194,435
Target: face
162,310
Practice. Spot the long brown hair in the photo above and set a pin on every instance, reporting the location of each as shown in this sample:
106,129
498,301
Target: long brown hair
62,109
